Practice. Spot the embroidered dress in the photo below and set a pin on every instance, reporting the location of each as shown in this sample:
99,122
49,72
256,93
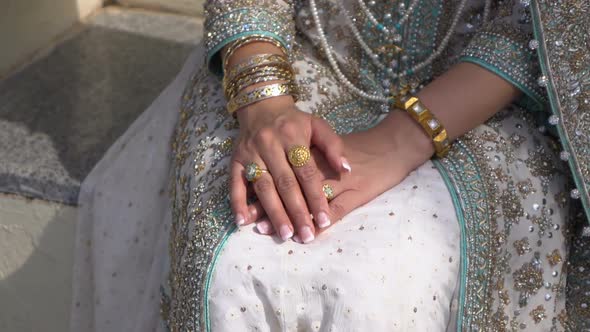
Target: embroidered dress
493,237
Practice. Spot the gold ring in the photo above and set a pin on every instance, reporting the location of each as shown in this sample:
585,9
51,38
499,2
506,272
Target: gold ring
254,172
328,191
299,155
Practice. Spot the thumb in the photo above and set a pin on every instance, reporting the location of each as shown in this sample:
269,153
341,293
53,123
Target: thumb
330,143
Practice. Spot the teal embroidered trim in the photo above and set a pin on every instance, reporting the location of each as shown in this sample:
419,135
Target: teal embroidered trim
244,20
511,60
531,100
554,102
214,58
229,24
463,177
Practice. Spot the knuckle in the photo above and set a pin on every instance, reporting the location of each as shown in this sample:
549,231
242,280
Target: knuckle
316,199
264,136
288,129
263,186
286,182
307,172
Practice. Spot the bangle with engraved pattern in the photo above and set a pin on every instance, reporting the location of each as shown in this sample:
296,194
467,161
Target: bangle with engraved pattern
255,75
256,61
261,93
231,49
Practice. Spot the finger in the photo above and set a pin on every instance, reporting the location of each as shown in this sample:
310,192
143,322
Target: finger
310,181
271,203
331,189
344,203
256,212
264,227
330,143
290,192
238,193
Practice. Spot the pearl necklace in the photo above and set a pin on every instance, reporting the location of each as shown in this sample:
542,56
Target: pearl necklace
329,51
392,33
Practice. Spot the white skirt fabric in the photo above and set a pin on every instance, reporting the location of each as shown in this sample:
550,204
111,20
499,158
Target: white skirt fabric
391,265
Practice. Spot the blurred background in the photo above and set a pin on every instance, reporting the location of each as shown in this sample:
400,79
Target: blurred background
74,74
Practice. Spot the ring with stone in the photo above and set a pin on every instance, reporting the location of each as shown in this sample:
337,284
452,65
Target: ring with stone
328,191
254,172
299,155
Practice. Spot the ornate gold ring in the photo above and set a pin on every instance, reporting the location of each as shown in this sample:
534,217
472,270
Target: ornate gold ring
328,191
299,155
254,172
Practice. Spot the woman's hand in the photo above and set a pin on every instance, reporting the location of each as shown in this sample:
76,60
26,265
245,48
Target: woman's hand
381,158
268,129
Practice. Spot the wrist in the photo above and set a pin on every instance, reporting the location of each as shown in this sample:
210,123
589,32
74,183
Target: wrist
264,109
408,139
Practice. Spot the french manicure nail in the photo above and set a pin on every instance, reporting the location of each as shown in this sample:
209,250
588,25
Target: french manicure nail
346,165
263,227
286,232
306,234
323,220
240,219
296,239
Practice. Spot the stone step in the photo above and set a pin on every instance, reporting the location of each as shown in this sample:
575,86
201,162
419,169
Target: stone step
60,114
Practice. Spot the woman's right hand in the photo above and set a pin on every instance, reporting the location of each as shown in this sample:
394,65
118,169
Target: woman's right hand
268,129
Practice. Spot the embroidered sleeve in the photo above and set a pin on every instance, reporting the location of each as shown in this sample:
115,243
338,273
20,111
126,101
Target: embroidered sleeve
504,46
228,20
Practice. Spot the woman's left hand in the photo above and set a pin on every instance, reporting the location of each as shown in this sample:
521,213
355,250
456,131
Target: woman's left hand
381,157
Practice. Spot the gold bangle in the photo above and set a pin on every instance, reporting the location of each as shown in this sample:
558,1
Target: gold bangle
256,61
256,75
258,70
247,40
255,79
429,123
258,94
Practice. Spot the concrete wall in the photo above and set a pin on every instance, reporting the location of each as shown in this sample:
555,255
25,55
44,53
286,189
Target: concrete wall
27,26
186,7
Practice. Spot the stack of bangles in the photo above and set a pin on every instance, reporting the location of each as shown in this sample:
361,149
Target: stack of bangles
433,127
273,69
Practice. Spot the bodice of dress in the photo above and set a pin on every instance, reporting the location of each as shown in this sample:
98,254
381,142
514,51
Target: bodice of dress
498,40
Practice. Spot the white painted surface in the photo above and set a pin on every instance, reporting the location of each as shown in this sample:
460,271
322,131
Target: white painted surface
187,7
27,26
36,254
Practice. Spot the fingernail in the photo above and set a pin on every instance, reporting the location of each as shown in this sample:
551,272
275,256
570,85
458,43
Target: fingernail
346,165
263,227
296,239
252,213
306,234
323,220
240,219
286,232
